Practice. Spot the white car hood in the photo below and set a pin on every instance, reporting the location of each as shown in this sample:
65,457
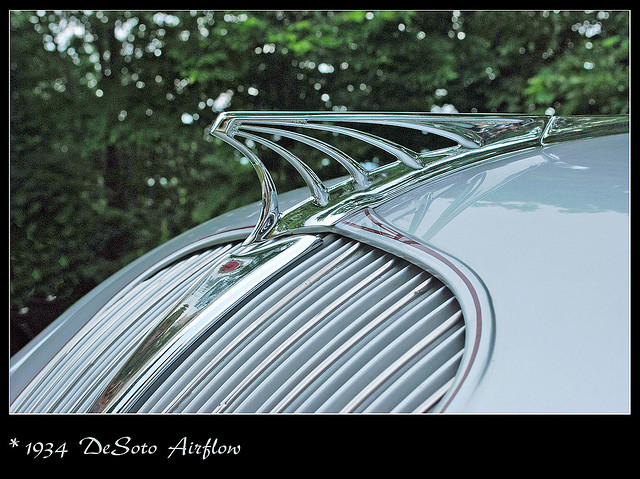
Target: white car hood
547,232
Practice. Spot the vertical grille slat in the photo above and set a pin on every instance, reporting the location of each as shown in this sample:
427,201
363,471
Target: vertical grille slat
360,362
349,328
381,394
424,393
399,363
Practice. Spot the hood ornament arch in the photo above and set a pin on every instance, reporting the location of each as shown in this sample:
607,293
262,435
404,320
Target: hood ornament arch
478,137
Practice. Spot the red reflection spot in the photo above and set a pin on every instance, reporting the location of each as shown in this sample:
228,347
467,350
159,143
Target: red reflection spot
230,266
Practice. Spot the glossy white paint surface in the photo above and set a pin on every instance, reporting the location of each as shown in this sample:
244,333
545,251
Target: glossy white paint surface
547,231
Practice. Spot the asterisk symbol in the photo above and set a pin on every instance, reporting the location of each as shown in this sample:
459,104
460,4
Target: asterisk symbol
14,443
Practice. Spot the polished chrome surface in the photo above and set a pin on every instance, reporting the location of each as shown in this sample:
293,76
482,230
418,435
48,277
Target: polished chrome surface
226,284
345,327
312,340
82,367
263,318
333,305
405,359
567,128
478,137
350,343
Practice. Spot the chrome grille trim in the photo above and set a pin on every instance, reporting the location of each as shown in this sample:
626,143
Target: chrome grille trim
260,321
347,346
352,375
287,346
279,328
397,365
350,328
282,356
109,337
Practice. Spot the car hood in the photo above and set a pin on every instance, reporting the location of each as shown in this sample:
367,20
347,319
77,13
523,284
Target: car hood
547,231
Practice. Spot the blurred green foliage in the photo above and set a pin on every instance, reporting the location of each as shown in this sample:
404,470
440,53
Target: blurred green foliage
110,110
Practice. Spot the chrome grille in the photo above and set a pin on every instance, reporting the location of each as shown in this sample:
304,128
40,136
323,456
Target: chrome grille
348,329
73,378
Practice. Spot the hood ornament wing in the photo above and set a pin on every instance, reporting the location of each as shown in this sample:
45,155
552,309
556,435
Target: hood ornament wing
478,136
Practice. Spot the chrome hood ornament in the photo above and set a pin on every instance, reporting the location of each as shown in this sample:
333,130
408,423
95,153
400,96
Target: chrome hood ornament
229,280
478,136
176,325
